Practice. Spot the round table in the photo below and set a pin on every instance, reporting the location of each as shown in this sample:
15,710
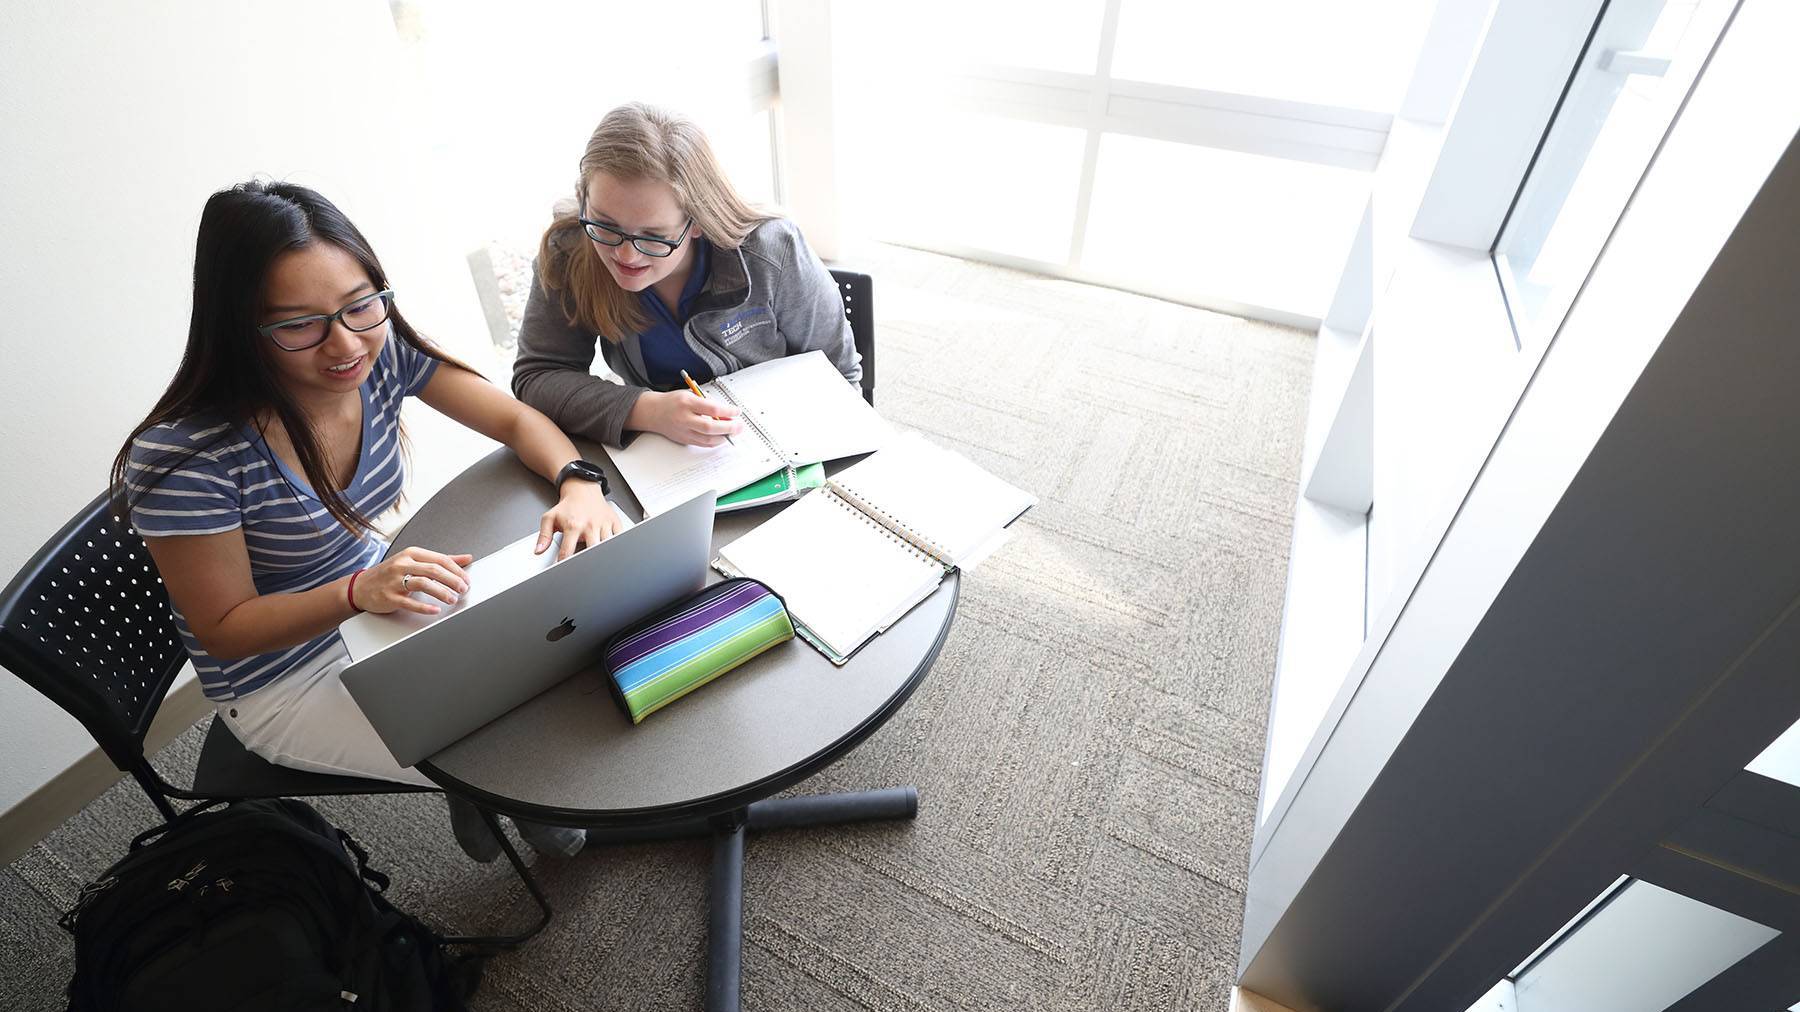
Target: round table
571,757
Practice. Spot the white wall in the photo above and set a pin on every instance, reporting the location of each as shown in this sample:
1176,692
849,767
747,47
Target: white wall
458,126
119,119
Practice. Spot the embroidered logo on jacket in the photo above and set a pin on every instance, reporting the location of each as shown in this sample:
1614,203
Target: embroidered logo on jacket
744,322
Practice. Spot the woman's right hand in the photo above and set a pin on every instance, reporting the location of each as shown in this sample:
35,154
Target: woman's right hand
684,418
396,583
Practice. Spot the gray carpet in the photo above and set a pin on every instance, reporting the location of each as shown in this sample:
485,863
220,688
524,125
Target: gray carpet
1086,747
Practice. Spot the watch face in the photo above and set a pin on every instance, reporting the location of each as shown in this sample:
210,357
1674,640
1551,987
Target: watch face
586,471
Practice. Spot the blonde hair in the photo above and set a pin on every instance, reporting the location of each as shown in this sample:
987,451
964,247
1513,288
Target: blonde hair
638,142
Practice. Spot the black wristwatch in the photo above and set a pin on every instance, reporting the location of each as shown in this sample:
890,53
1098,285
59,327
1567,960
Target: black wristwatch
584,470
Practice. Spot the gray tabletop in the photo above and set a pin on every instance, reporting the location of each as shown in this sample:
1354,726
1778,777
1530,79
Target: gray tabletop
572,756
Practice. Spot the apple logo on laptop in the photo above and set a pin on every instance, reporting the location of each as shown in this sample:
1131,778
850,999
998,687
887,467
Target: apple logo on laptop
567,627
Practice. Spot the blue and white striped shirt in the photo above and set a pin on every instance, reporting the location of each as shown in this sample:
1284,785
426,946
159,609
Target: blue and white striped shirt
235,481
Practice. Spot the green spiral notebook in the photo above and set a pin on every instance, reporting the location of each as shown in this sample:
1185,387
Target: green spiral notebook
787,483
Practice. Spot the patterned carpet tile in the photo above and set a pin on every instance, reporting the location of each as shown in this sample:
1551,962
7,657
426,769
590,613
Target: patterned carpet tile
1135,967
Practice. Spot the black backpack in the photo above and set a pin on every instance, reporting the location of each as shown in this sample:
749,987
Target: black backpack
259,905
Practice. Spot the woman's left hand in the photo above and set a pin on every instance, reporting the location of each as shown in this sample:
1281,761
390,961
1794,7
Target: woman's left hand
583,516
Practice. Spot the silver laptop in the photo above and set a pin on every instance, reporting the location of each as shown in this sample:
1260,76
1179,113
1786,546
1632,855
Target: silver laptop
526,624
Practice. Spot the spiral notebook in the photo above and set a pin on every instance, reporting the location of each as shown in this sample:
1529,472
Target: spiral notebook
797,410
853,557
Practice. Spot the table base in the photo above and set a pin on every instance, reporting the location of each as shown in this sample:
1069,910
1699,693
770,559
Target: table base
725,925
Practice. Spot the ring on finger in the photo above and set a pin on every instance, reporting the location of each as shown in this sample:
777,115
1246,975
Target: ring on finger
406,584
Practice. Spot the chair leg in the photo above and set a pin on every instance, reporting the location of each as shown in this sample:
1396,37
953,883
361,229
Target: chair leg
531,885
154,789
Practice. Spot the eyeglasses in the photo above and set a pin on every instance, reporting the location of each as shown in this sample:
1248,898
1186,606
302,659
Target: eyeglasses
649,245
303,332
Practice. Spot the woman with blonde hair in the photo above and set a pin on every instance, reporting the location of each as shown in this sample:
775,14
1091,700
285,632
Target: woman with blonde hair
661,258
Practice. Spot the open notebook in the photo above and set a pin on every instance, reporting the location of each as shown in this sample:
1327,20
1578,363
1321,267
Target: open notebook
796,411
853,557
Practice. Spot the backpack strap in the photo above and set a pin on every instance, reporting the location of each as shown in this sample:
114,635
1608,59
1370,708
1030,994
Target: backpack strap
377,880
147,836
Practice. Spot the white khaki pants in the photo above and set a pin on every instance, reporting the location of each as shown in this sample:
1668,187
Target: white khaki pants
306,720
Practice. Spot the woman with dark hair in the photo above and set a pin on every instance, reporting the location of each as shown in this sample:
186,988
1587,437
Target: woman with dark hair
257,478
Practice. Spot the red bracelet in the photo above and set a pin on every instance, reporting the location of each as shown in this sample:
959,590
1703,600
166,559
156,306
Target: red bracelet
350,591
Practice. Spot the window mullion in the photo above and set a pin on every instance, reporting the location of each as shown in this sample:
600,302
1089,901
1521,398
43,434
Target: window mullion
1098,99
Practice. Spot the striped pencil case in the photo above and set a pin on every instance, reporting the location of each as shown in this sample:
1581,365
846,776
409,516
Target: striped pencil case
659,659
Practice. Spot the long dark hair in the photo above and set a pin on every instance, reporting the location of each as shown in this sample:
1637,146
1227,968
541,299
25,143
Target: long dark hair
226,375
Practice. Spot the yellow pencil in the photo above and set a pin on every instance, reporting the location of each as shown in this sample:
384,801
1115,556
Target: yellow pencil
689,380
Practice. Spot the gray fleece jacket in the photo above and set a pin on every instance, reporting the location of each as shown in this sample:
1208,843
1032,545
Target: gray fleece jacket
769,298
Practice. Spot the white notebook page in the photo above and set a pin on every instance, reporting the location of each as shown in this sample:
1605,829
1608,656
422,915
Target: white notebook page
807,408
940,496
663,474
842,576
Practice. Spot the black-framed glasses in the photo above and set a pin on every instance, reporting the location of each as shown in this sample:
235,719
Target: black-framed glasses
303,332
649,245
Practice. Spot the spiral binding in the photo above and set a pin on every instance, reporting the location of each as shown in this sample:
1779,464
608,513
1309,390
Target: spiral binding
749,419
918,544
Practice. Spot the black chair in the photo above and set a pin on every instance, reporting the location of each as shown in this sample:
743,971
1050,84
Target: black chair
87,623
859,308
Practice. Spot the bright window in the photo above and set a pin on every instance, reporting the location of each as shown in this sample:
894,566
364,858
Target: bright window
1781,760
1642,948
1234,227
1621,100
1167,156
1060,35
1356,53
745,147
981,181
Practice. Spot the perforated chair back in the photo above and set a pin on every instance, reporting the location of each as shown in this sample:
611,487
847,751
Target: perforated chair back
87,623
858,291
